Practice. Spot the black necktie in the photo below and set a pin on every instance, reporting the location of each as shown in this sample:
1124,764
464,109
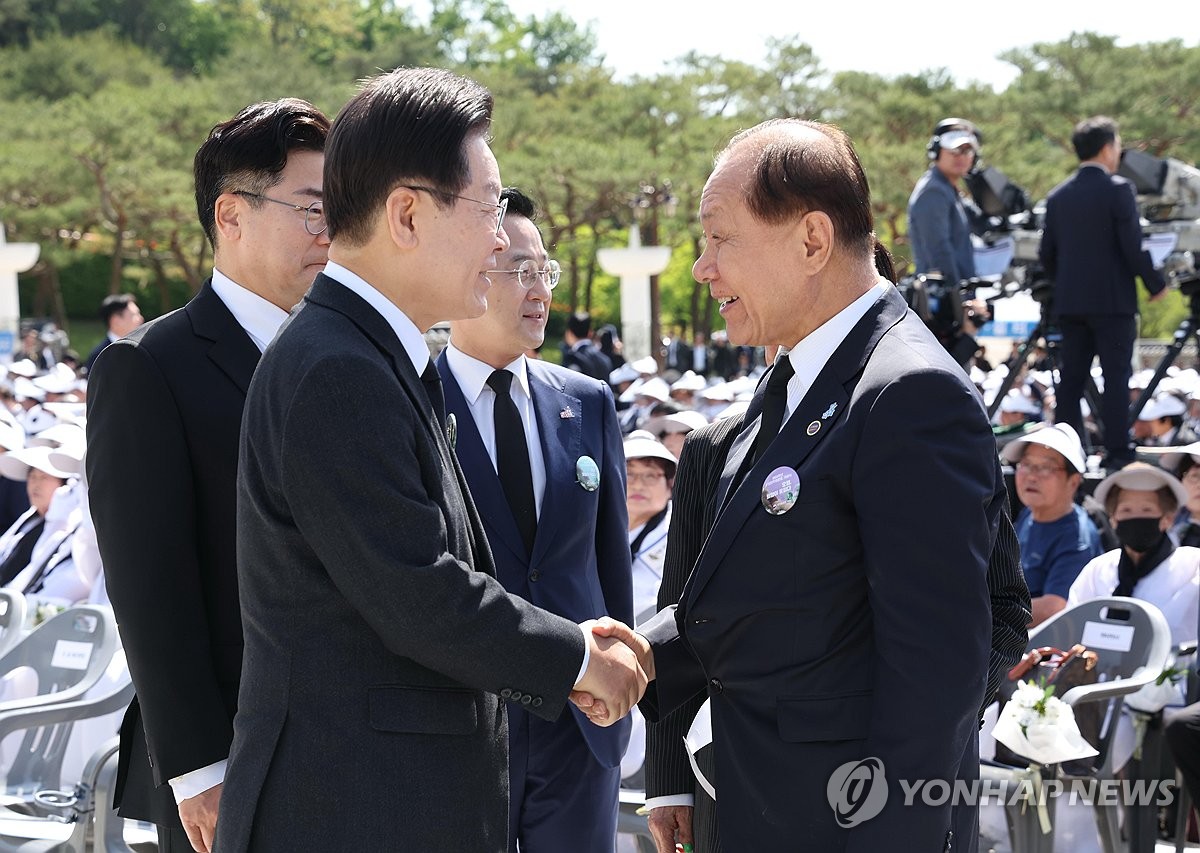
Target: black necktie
774,403
512,457
433,388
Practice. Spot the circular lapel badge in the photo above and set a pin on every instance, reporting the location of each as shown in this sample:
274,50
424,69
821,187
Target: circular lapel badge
814,427
780,490
587,473
452,429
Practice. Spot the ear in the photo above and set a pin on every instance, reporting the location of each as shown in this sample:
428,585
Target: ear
228,216
401,210
816,235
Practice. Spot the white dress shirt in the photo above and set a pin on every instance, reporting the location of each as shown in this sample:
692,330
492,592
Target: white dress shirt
810,355
472,375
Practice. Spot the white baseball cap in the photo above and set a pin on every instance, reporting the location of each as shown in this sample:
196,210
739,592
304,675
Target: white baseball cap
1162,406
1060,438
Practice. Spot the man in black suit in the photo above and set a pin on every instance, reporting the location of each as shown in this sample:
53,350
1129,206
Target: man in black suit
558,540
581,354
851,538
121,315
164,411
1092,249
379,645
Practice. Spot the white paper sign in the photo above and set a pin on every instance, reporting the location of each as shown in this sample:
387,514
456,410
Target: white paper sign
70,654
1117,638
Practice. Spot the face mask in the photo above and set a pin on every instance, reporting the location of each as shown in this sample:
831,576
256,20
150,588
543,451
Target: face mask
1139,534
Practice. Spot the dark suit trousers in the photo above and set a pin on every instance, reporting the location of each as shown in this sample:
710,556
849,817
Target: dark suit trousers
1182,730
1111,337
172,839
560,798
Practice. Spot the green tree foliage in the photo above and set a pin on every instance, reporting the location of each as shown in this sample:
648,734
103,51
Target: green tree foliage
106,101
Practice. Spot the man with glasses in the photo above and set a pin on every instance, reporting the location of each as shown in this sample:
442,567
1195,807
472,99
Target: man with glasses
381,649
164,411
1056,535
526,431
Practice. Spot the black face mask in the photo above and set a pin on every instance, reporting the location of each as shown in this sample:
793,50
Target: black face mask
1139,534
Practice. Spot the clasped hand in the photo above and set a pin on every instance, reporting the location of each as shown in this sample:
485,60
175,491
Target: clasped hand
619,667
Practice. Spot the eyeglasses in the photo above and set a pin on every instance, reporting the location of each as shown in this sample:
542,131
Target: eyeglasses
528,273
501,206
649,478
1039,470
314,214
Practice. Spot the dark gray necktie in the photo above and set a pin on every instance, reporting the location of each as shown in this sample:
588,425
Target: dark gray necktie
512,458
774,404
433,389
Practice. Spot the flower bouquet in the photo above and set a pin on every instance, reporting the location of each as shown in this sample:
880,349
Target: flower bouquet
1041,727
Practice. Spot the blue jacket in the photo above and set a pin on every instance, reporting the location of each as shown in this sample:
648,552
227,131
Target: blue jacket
939,228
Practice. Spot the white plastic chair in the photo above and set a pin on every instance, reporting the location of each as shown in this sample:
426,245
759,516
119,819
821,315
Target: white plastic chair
1132,641
12,618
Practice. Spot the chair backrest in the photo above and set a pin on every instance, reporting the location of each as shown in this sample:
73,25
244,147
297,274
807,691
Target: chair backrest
68,653
1131,639
12,618
1132,642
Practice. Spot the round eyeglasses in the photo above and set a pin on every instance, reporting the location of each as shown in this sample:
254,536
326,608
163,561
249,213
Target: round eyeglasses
528,273
314,214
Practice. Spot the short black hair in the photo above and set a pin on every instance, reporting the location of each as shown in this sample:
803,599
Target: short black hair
409,125
791,176
579,324
1091,135
250,151
114,304
519,204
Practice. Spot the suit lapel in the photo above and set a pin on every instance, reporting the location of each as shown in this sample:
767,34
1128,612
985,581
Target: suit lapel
561,438
484,483
824,404
230,348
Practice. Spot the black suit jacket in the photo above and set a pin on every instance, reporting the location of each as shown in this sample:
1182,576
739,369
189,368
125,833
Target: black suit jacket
164,411
586,358
1092,245
697,478
813,631
378,641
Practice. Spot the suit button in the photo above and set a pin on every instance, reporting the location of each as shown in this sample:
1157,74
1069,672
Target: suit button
526,699
537,701
516,696
535,575
506,692
716,686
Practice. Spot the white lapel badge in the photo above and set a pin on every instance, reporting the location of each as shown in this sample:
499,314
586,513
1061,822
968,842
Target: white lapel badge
829,412
566,413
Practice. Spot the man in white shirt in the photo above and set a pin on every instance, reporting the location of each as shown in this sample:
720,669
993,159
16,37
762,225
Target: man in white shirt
164,413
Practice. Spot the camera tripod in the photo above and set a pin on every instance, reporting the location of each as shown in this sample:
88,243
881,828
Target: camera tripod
1045,329
1189,328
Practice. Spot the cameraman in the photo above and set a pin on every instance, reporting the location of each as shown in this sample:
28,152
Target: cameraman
940,221
1092,249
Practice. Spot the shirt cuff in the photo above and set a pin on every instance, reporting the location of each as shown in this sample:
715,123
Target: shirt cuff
198,781
688,800
587,654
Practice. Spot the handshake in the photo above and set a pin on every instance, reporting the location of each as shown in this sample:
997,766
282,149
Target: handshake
620,665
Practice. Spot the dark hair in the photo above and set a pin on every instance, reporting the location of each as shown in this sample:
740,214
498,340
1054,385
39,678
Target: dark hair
519,204
1167,502
1091,135
579,324
114,304
1186,465
608,339
883,262
408,125
665,465
251,150
793,176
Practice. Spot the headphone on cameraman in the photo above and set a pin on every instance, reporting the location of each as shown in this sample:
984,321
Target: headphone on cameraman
945,126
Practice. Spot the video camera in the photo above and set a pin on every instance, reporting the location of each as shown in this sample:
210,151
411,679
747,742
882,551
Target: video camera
1169,200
